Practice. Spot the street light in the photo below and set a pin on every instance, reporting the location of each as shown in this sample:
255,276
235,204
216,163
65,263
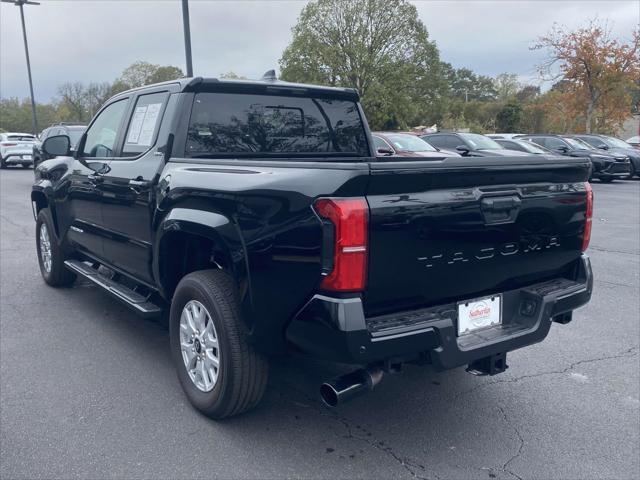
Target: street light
187,36
20,3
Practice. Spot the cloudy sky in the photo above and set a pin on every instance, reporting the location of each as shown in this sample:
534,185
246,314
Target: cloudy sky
94,40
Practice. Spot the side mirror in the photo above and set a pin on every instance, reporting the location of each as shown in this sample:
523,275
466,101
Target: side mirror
463,150
59,145
561,149
603,146
384,151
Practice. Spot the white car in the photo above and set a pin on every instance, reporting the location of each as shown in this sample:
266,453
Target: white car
16,149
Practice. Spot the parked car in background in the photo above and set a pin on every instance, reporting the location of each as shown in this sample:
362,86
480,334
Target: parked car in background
605,167
523,146
406,145
469,144
504,135
74,132
614,146
634,141
16,149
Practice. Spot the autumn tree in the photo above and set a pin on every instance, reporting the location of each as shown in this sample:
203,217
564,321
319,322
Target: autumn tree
596,69
380,48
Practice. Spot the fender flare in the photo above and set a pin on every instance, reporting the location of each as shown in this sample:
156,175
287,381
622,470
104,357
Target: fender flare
220,229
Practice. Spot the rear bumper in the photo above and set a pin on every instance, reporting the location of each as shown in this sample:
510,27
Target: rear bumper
336,329
16,158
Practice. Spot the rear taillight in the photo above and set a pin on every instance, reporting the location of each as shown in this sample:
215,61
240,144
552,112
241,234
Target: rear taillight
586,238
350,218
8,144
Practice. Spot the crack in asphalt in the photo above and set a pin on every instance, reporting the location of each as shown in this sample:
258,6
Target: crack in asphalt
602,249
415,469
628,353
615,284
24,228
520,446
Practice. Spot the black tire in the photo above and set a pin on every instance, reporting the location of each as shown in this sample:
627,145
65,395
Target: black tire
26,165
242,374
606,179
57,275
2,164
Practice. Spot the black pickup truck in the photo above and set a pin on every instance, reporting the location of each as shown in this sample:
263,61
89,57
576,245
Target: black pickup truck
257,214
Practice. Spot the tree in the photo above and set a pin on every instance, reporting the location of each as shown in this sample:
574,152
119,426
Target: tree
74,98
507,86
232,76
142,73
466,85
509,117
594,68
379,47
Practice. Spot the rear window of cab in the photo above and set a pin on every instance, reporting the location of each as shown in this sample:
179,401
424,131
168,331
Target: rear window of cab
229,124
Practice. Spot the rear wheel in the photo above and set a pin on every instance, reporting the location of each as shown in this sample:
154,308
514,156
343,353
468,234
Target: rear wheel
2,164
220,372
50,254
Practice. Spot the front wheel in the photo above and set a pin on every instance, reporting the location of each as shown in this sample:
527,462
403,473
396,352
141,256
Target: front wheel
50,254
632,172
220,372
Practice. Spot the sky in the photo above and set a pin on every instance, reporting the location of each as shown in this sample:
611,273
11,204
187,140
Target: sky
94,40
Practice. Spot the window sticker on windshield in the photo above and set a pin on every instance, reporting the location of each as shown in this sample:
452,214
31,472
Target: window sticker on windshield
136,124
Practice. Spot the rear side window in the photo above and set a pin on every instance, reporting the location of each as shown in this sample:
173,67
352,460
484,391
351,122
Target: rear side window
144,123
228,124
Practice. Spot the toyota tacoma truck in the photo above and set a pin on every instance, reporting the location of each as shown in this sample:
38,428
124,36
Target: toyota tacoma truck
256,215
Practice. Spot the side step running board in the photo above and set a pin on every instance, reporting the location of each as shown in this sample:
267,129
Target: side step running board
127,296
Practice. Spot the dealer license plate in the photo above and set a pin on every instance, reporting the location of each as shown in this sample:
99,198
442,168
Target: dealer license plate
26,157
478,314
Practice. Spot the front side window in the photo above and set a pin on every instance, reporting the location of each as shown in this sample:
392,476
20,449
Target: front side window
227,124
101,136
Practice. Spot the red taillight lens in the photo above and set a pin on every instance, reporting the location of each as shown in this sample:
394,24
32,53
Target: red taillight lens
586,238
350,218
8,144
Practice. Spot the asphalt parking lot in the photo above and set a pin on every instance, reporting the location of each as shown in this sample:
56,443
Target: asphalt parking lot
87,389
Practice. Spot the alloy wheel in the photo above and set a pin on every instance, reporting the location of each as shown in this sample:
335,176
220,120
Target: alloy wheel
199,346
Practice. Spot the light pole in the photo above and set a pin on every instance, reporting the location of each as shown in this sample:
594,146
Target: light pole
187,36
20,3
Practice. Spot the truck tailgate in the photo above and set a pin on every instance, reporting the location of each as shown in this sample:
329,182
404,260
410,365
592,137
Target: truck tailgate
456,229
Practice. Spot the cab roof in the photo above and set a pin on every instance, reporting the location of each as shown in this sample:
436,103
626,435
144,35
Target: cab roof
265,85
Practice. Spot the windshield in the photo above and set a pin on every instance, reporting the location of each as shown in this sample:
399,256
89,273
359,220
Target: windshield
409,143
579,144
75,134
530,146
480,142
615,142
